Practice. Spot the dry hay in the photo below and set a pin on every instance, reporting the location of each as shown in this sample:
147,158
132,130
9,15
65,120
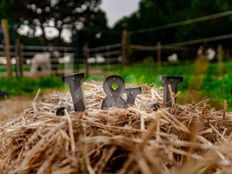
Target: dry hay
191,138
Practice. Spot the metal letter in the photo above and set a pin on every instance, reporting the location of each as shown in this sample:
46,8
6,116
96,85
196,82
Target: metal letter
74,82
113,96
173,82
131,94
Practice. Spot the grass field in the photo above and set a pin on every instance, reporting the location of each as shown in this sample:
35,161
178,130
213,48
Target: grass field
29,86
201,80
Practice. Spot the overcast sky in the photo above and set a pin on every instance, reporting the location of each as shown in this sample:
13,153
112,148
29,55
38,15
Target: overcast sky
116,9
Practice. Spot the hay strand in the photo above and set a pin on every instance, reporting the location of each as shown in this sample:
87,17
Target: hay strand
190,138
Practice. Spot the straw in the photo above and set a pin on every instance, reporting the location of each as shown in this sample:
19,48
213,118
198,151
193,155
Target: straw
188,138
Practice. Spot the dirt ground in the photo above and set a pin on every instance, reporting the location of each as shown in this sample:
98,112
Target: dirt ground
10,108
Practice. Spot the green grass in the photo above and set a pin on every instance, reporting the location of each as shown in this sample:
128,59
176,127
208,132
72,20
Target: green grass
215,85
29,86
3,68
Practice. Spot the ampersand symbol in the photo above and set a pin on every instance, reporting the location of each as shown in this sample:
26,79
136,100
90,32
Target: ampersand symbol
114,94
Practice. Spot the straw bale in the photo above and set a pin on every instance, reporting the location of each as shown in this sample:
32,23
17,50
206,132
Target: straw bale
190,138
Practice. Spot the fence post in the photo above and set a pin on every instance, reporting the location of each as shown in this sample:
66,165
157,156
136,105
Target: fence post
125,48
20,57
159,59
86,56
5,30
220,59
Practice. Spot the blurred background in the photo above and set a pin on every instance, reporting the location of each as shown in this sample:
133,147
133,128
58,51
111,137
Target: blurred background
138,39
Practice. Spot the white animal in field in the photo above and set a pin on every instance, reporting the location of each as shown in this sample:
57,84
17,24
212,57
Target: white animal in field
91,60
97,59
64,60
200,51
208,53
100,59
41,62
173,57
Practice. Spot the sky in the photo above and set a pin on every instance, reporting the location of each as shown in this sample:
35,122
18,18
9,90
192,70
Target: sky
116,9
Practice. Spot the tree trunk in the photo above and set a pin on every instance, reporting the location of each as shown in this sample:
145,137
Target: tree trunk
45,41
7,47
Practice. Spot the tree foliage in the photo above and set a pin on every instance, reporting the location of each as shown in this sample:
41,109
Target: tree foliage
72,15
153,13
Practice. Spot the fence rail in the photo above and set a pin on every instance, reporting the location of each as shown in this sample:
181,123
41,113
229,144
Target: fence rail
155,48
103,48
109,52
29,50
203,40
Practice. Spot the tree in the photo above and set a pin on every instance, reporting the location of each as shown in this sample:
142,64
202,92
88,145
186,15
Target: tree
62,15
153,13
